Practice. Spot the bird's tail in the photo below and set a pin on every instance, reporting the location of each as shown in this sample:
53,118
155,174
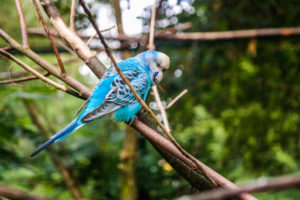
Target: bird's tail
74,125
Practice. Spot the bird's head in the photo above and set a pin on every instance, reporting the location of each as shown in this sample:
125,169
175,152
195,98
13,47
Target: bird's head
156,63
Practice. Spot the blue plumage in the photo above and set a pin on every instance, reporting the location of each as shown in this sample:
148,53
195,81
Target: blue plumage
113,95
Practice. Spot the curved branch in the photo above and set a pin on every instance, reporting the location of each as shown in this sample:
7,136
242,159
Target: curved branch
40,76
17,80
19,194
259,185
22,24
84,91
81,48
60,63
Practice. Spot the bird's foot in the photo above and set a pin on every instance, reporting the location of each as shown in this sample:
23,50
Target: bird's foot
131,121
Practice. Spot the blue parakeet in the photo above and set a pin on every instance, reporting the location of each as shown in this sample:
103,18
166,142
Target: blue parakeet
112,95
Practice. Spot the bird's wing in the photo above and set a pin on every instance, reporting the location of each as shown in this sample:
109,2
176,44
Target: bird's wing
120,94
125,65
106,75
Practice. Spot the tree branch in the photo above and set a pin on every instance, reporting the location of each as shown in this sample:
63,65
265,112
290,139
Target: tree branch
40,76
84,91
22,24
201,36
16,194
82,50
183,165
72,15
176,99
260,185
68,177
238,34
29,78
60,63
167,132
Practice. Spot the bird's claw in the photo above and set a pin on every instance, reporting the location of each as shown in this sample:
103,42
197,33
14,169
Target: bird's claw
131,121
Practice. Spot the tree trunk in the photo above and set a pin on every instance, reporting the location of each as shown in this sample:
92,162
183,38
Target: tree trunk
128,165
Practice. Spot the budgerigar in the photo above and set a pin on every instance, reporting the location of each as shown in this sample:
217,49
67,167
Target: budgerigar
113,95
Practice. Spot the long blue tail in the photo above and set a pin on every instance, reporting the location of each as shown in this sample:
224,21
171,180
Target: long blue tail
59,136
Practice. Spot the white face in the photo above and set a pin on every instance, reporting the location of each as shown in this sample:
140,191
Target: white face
158,65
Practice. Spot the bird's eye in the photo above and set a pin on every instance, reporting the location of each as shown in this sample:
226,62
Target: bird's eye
163,70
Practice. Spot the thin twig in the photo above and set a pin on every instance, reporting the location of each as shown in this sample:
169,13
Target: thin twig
37,117
72,15
22,24
144,105
259,185
85,92
18,80
40,76
174,29
12,75
161,108
90,39
63,45
151,46
202,36
93,36
61,65
78,45
19,194
7,48
176,99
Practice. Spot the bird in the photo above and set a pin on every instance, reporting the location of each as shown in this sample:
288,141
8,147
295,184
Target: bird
112,94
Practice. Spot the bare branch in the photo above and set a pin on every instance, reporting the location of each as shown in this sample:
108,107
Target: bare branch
203,36
3,198
176,99
63,45
239,34
29,78
70,181
174,29
19,194
22,24
72,15
93,36
172,154
11,75
60,63
7,48
259,185
82,50
166,129
118,15
151,45
161,108
84,91
37,74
